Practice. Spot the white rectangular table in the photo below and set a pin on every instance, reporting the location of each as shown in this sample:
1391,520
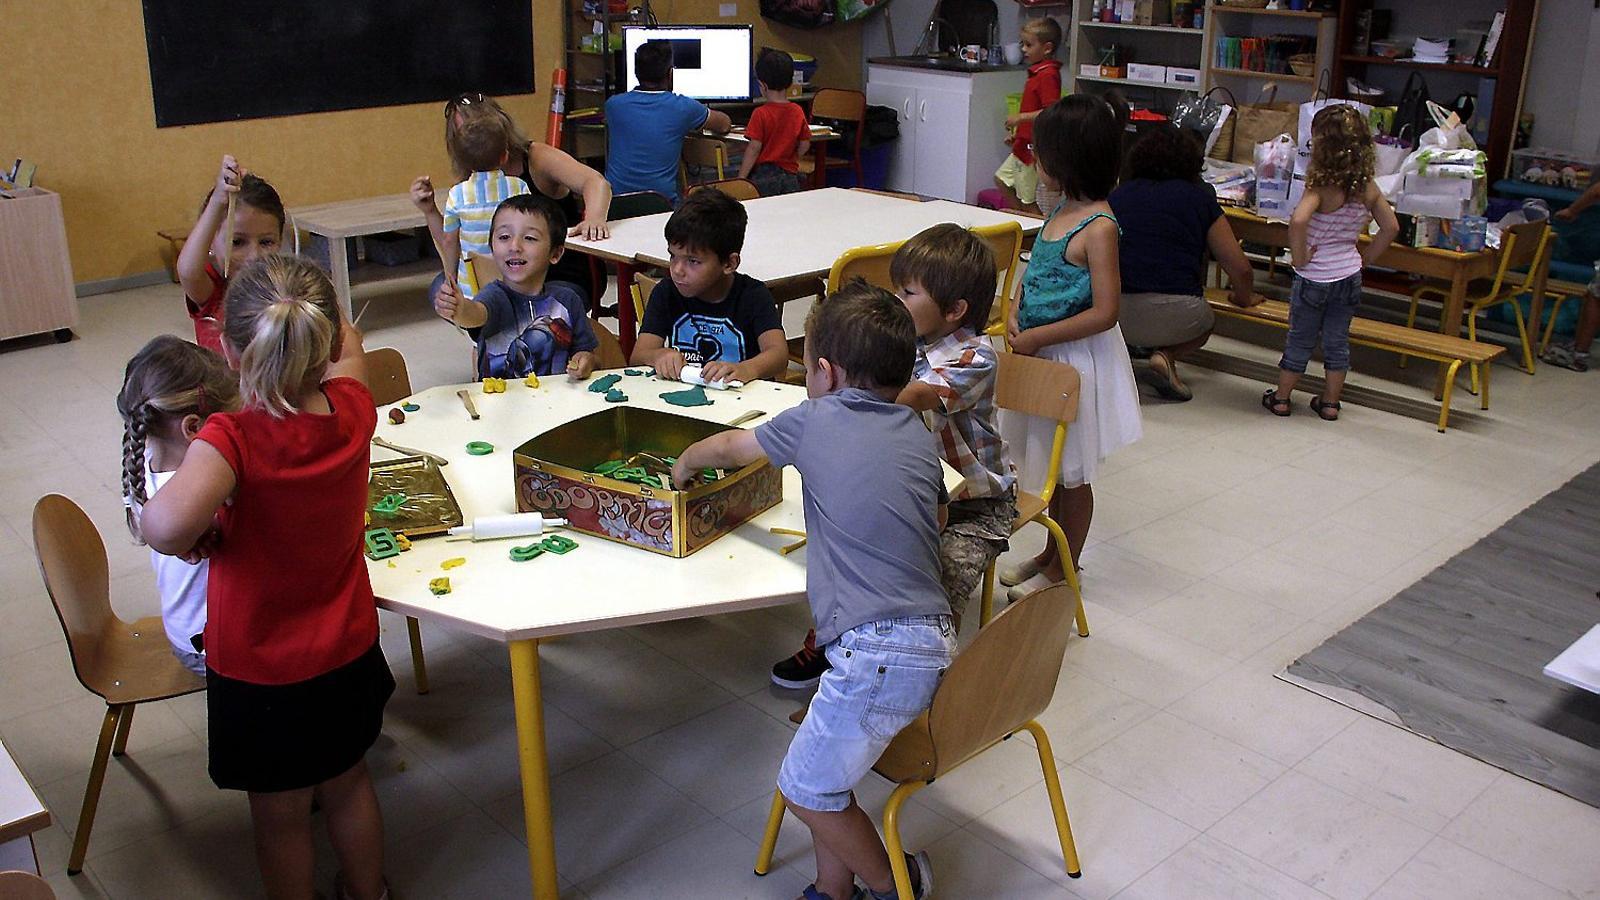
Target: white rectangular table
1579,664
355,218
798,236
21,814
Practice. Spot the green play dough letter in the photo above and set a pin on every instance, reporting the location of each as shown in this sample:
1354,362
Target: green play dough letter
695,396
601,385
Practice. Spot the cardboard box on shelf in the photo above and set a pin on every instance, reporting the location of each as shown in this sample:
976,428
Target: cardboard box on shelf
1180,75
1152,12
1144,72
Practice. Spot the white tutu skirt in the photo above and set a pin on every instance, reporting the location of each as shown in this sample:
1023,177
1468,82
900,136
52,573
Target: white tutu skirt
1108,414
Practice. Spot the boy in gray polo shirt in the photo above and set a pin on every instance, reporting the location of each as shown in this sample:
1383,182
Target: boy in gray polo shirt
874,502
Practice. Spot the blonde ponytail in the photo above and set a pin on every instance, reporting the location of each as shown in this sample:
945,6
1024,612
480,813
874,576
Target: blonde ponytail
282,321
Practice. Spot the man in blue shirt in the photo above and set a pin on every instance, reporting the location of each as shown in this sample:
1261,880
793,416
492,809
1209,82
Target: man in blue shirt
645,127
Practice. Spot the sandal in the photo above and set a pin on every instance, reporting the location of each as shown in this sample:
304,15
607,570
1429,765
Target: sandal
1323,409
1164,377
1278,406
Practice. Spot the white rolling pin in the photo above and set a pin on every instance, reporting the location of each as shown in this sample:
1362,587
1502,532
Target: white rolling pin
489,528
691,375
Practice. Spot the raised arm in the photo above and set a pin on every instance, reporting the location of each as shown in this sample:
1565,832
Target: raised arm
191,263
349,358
423,196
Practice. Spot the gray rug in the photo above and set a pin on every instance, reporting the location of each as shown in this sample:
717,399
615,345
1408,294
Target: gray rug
1458,656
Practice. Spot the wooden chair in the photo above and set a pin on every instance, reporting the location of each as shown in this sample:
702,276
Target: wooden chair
1049,390
740,189
482,271
1524,251
702,153
609,354
1557,292
17,885
390,382
643,285
626,206
124,663
1005,241
843,106
996,687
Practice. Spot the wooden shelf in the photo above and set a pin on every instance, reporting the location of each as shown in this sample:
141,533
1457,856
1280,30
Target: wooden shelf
1287,77
1133,82
1248,11
1480,71
1128,27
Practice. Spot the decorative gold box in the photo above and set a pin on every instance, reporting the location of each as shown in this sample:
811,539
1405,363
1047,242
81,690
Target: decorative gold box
554,476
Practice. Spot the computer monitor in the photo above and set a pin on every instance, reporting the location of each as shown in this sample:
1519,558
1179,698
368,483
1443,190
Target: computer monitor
709,62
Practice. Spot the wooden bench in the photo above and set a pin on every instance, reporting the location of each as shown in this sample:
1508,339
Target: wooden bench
1429,345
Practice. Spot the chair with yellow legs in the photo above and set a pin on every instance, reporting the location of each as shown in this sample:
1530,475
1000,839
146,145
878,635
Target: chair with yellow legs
1005,241
1049,390
996,687
390,382
1524,251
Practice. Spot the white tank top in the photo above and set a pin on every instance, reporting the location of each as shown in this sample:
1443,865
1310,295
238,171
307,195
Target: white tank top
1331,240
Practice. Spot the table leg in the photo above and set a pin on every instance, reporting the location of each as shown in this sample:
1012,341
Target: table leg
627,326
528,700
819,156
339,272
1450,320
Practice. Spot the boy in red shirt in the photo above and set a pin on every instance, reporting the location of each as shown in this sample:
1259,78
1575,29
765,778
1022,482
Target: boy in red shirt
778,132
1017,177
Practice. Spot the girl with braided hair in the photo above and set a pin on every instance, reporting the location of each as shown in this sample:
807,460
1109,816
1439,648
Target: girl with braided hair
168,390
1341,197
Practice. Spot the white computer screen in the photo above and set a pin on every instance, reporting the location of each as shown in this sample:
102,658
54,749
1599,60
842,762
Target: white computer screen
709,62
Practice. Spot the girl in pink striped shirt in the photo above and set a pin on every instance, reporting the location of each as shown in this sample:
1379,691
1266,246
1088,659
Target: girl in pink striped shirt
1340,199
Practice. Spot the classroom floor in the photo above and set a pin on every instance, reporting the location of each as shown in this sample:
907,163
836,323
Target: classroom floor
1224,545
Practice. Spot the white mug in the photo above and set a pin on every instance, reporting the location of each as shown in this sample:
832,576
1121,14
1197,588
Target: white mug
1013,54
972,54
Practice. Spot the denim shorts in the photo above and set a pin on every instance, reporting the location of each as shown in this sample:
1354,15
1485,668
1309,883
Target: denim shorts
884,675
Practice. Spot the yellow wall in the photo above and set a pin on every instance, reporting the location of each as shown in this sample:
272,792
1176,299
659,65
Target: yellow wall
88,121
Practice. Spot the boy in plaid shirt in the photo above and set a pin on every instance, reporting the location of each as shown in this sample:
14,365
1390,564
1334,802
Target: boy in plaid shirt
946,276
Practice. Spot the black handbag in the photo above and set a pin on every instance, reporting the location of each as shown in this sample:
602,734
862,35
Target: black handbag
1411,113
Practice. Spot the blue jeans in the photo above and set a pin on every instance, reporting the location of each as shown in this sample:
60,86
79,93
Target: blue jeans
1321,310
884,675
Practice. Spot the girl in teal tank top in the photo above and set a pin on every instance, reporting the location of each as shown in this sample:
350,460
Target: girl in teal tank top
1068,313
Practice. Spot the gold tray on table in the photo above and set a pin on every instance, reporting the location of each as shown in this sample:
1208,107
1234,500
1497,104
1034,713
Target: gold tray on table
429,507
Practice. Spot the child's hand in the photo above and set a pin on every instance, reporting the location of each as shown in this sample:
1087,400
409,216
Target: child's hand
719,371
1026,342
448,301
203,548
228,179
1012,121
682,475
1566,215
580,366
670,365
422,194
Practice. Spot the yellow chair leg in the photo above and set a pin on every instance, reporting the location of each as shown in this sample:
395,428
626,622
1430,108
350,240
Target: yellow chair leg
1449,387
1058,806
1522,335
91,794
1065,549
1483,398
1472,335
986,605
528,701
419,665
1550,327
891,836
769,841
119,746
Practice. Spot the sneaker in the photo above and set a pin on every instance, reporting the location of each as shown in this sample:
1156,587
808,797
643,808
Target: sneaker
1038,582
1016,573
1564,356
804,669
922,879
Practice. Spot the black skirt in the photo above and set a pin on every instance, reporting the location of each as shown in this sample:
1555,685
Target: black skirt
282,737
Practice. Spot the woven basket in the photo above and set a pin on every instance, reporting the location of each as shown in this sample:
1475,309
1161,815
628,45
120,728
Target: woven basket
1303,64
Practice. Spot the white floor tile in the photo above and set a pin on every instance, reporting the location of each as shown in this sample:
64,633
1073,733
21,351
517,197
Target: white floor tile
721,759
711,860
1445,871
1207,868
1534,830
1226,621
1255,710
1144,662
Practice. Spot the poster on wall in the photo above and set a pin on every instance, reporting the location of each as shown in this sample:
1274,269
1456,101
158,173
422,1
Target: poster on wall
220,62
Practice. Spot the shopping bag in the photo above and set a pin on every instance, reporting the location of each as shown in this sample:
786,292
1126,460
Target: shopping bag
1274,162
1257,122
1412,110
1204,116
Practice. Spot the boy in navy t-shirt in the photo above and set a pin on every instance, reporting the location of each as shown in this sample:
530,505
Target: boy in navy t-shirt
707,313
521,325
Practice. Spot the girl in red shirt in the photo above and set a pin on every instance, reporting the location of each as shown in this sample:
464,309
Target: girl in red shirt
275,495
210,254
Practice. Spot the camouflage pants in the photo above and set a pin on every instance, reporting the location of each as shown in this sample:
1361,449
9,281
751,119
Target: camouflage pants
976,534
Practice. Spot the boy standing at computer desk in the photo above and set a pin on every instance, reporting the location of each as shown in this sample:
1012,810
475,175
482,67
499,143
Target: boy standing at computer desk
874,500
778,131
645,127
